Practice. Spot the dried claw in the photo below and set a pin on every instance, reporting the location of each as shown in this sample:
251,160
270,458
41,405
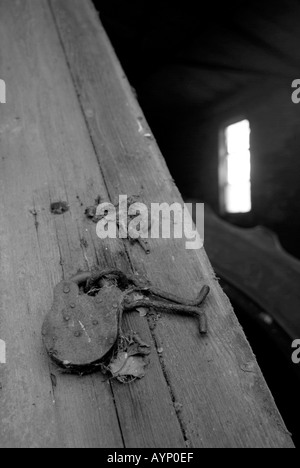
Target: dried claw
130,304
145,246
203,326
173,298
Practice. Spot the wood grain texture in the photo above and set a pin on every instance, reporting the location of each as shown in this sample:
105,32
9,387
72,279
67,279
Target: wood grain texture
46,155
223,398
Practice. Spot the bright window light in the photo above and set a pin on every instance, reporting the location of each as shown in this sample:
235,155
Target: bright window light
236,168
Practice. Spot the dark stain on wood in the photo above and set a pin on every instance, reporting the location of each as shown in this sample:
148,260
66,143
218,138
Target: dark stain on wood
59,208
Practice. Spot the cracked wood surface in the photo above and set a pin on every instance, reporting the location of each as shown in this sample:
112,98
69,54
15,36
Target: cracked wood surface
71,130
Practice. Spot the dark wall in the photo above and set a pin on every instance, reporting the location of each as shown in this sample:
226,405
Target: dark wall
195,69
191,148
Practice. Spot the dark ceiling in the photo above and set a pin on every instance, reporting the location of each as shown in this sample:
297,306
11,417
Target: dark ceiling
198,52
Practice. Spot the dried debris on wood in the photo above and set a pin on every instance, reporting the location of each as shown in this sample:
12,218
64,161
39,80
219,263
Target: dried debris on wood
131,359
123,213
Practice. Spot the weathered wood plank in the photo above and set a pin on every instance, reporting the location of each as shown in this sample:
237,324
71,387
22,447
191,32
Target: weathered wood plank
225,401
46,155
43,137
